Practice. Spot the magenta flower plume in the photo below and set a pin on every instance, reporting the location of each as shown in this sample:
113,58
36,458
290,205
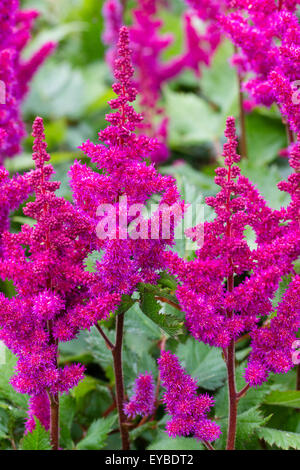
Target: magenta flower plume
143,400
46,264
125,176
188,410
218,312
272,344
274,32
201,45
15,73
151,70
113,19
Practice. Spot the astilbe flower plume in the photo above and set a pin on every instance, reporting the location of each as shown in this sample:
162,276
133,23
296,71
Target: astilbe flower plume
45,262
15,72
187,408
125,173
267,35
143,400
218,312
272,343
113,19
151,70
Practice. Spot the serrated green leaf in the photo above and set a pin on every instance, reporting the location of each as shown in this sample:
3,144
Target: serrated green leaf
284,284
96,436
152,309
282,439
203,362
247,423
96,346
38,439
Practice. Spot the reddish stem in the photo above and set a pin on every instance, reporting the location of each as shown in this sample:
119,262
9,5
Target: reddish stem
208,445
117,357
280,5
108,343
230,363
167,301
243,392
54,421
290,134
232,396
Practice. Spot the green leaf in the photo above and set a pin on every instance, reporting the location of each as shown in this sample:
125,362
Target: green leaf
97,434
54,34
97,347
87,385
38,439
166,280
282,439
266,181
163,442
152,308
126,304
219,83
284,284
289,398
75,350
184,110
203,362
265,137
247,423
139,325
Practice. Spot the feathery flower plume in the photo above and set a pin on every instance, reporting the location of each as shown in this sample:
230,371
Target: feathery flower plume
125,176
217,313
15,73
148,46
267,38
143,400
45,262
272,343
187,408
113,19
